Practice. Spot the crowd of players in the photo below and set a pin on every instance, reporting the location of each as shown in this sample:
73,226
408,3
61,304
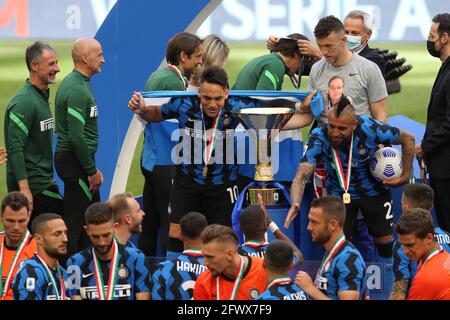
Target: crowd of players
81,250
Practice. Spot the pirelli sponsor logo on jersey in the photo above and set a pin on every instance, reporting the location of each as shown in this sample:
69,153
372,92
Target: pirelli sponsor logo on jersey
120,291
94,112
47,124
190,267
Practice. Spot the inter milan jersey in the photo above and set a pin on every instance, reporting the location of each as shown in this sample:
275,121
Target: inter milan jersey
190,148
132,274
368,135
33,283
404,267
345,271
287,291
175,278
251,248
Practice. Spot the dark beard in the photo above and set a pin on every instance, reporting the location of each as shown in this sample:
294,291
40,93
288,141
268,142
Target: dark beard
106,251
55,254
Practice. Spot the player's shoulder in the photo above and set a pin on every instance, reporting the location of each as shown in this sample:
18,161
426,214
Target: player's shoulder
80,257
130,252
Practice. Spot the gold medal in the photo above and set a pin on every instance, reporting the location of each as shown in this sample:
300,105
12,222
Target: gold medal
205,171
346,198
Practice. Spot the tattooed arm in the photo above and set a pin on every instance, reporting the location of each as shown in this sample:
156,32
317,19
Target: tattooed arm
399,288
407,141
304,172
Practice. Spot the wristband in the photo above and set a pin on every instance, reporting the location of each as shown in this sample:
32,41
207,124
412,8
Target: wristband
272,227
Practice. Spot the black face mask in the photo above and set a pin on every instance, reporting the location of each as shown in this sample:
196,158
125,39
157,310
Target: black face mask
431,47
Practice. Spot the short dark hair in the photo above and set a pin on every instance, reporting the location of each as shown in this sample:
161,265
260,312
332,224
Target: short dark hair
419,195
252,221
327,25
182,41
37,227
215,75
417,221
34,52
119,205
444,22
220,233
289,47
192,225
98,213
278,256
332,207
15,200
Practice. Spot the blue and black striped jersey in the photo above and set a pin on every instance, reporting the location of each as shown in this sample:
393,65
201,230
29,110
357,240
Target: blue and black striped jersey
288,291
175,278
252,249
345,271
132,274
189,115
368,134
33,283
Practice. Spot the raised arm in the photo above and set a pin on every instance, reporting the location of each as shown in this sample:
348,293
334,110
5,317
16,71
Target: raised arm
148,113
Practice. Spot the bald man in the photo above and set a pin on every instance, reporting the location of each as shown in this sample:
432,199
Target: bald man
77,128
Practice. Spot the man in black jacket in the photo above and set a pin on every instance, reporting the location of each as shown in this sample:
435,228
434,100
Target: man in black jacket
435,146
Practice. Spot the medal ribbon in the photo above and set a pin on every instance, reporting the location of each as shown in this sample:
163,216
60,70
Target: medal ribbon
338,167
112,278
59,296
279,280
180,75
211,143
236,282
327,258
431,255
19,250
193,252
254,243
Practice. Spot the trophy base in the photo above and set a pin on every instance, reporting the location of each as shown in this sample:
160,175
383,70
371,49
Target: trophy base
270,196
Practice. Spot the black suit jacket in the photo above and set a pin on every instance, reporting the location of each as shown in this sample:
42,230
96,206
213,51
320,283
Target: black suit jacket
436,140
375,57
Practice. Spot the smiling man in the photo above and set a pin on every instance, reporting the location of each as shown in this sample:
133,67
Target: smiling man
207,122
77,128
28,132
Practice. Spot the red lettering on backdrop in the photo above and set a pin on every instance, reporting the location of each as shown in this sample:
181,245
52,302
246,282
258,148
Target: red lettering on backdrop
19,10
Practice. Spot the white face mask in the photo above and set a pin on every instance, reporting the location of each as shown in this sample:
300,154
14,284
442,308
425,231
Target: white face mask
354,43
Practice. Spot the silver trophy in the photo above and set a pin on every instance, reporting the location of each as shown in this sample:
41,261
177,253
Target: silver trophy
263,124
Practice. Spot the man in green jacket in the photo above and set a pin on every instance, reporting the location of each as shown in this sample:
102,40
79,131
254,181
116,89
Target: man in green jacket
77,128
28,131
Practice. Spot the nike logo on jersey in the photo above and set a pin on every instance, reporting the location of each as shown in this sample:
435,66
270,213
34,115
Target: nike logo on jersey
352,74
47,124
87,275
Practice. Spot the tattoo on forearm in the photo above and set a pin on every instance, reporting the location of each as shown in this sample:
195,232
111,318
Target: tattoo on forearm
407,141
304,172
399,288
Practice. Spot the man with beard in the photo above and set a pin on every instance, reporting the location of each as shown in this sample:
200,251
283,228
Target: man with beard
107,270
350,139
41,277
183,55
127,217
76,116
16,243
342,274
230,276
28,130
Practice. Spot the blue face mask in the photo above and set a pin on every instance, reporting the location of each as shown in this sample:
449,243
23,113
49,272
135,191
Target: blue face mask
354,43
